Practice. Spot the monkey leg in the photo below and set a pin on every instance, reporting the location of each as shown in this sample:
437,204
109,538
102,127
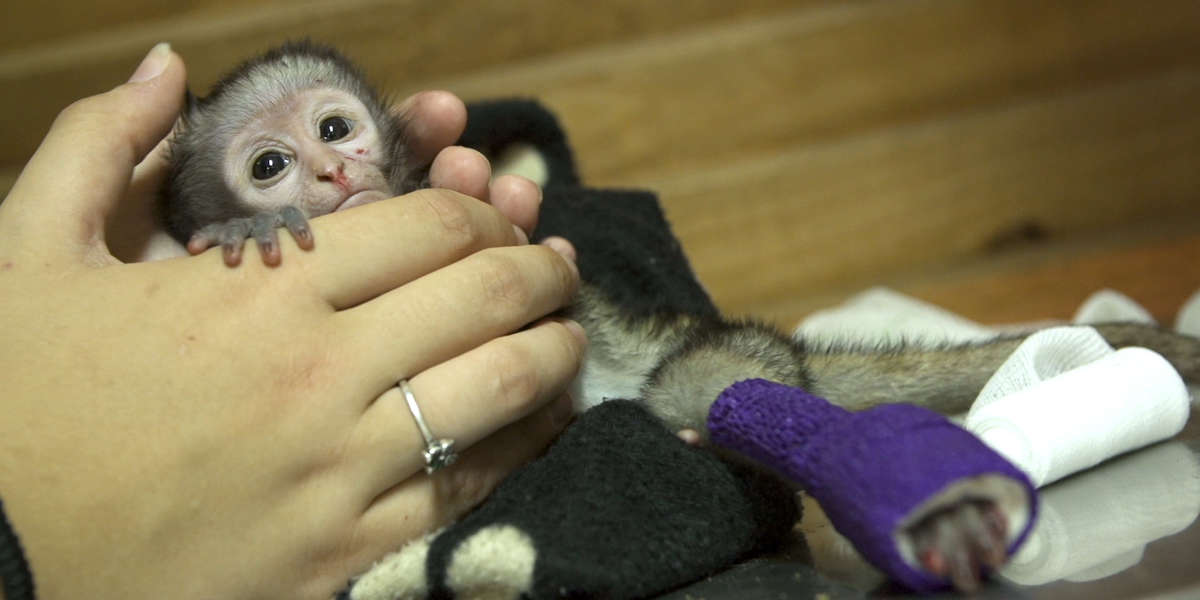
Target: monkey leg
920,498
231,235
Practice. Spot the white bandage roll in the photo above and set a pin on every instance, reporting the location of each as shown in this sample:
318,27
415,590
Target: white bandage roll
1081,417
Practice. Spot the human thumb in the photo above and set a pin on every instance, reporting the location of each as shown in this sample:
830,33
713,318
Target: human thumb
83,166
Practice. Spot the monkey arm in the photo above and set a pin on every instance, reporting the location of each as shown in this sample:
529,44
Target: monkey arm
885,476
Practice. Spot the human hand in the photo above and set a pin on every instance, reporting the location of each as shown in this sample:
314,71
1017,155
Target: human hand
179,429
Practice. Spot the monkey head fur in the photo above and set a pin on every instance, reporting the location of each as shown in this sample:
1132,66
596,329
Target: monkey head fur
298,125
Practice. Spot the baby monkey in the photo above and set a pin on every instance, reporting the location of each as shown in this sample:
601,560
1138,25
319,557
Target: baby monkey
292,134
298,132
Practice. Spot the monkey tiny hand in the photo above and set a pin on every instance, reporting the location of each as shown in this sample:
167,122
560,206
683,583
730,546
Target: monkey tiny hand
231,235
962,542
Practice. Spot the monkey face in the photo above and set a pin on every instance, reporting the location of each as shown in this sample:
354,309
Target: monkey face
317,149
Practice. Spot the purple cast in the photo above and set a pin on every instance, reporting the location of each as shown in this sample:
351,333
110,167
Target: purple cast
868,469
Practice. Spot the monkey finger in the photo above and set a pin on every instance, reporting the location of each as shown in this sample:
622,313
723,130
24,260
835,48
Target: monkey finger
263,230
232,238
199,242
297,225
465,399
987,543
927,549
207,237
955,538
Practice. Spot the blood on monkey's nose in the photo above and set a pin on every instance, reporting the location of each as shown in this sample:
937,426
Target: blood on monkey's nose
335,175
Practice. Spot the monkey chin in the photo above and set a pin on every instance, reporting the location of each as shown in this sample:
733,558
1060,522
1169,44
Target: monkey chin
361,198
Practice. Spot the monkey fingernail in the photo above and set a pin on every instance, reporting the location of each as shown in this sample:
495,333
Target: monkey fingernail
232,255
271,255
304,239
153,65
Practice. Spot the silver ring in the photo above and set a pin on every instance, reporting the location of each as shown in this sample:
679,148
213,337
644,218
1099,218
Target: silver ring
438,452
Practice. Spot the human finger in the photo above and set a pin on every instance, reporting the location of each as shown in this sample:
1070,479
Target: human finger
463,170
432,120
467,171
518,199
560,245
84,164
465,399
425,502
378,246
452,310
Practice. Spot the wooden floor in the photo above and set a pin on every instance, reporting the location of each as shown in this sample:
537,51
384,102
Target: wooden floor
1002,158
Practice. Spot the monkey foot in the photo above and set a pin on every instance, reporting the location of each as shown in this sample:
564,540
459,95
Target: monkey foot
962,542
231,235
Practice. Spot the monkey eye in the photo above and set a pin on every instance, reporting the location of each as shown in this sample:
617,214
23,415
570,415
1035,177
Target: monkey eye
334,128
269,165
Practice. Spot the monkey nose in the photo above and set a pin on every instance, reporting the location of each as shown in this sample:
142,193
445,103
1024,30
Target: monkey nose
333,172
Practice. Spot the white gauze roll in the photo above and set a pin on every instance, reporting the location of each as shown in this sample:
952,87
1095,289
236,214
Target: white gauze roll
1081,417
1045,354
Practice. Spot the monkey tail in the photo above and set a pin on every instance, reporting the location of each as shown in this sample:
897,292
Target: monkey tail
947,378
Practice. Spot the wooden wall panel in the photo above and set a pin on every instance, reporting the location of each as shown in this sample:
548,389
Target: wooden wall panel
859,209
708,96
1160,271
804,149
398,41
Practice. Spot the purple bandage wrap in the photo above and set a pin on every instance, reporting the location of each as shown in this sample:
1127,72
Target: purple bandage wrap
869,470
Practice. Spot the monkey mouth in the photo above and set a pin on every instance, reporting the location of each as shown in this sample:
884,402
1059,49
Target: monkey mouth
360,198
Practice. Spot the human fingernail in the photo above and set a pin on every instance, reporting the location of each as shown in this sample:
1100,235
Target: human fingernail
561,246
576,329
154,64
522,238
